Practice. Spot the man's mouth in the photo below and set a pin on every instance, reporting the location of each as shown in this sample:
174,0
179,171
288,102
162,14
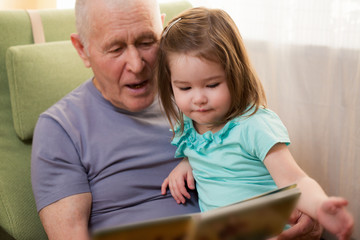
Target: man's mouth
137,86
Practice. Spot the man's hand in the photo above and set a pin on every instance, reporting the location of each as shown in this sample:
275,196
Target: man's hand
176,181
303,228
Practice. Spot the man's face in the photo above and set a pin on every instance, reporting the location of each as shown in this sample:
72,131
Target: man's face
122,48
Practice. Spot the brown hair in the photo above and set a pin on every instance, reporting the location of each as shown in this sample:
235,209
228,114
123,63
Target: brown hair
210,34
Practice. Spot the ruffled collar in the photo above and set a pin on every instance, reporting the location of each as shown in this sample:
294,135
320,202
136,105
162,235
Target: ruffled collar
190,138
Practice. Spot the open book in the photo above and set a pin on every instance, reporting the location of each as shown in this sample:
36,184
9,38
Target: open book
259,217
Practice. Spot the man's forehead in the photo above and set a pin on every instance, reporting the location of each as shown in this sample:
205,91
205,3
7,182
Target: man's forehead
126,15
124,5
129,29
120,24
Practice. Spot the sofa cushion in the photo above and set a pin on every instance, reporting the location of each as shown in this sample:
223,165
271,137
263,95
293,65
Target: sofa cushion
39,75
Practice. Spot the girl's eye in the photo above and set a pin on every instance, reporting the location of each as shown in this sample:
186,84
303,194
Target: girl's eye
213,85
184,88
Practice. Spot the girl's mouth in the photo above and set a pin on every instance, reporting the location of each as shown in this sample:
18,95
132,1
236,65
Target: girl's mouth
202,110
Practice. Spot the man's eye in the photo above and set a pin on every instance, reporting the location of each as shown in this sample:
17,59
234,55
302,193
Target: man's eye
148,43
213,85
116,50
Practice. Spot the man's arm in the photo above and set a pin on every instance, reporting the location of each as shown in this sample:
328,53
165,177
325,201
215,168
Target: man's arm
67,218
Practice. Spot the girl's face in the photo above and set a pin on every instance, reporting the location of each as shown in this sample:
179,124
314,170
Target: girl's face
200,90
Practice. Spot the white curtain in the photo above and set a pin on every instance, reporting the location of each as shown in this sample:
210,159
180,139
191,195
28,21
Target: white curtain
307,54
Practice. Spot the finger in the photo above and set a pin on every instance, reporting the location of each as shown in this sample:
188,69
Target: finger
173,192
164,186
174,186
295,215
291,233
190,180
181,191
305,228
334,204
339,201
184,192
348,225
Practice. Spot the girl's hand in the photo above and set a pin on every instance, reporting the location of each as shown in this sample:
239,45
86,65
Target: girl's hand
176,181
333,215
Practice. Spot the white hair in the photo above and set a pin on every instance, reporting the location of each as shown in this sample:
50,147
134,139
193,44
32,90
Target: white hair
83,19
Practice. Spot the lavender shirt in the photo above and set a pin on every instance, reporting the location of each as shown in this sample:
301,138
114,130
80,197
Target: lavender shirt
84,144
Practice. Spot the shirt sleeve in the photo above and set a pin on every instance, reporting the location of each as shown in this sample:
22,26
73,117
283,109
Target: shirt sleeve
264,129
56,169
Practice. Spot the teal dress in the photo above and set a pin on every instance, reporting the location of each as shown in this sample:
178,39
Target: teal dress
228,165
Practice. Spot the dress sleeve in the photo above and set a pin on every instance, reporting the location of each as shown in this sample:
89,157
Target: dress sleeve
263,131
185,139
56,169
179,141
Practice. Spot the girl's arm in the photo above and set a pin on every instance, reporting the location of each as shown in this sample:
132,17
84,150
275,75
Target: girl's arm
285,171
176,181
330,212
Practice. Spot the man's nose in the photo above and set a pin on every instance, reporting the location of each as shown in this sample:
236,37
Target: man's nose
134,60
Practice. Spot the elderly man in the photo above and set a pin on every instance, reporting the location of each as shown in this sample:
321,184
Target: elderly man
101,153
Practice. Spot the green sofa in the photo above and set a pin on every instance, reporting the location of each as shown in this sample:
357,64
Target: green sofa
32,78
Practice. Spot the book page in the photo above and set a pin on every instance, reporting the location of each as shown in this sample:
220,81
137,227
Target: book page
260,217
257,218
172,228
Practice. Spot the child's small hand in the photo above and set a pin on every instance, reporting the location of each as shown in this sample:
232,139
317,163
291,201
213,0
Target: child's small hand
176,181
335,218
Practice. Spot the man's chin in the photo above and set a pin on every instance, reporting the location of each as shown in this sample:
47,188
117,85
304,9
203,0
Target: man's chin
136,104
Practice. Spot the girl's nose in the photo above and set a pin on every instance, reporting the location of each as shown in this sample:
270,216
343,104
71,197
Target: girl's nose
200,98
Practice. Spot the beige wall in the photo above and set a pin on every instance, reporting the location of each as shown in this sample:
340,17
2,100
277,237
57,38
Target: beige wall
27,4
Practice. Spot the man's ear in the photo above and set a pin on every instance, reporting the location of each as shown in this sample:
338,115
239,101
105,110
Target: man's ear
163,18
76,42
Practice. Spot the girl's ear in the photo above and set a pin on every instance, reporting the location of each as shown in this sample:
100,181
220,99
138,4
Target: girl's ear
76,42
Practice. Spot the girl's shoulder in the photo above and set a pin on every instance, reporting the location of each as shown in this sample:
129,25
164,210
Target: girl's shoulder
263,122
261,115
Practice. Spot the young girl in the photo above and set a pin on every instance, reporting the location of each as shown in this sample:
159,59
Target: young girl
216,106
